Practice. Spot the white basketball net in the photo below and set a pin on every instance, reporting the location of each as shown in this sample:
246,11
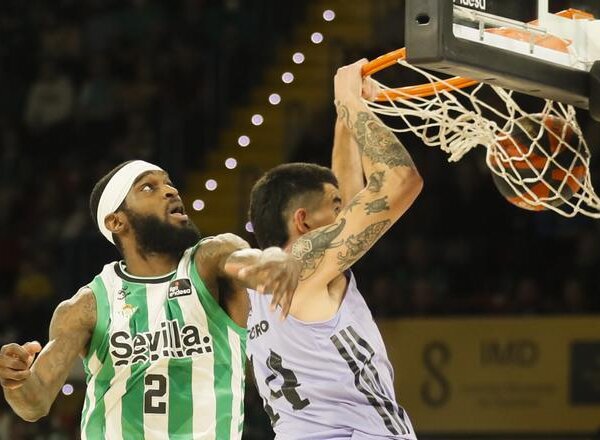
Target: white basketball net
458,120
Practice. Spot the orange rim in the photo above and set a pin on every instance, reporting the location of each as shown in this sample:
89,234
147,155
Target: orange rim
410,92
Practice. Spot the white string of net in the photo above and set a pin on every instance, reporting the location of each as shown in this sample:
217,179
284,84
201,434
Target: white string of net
548,168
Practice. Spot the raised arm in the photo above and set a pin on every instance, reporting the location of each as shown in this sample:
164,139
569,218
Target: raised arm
31,387
393,183
346,162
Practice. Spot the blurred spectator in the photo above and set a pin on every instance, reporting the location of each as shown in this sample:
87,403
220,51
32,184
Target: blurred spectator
574,298
139,93
97,100
527,297
385,297
50,98
33,285
423,299
138,141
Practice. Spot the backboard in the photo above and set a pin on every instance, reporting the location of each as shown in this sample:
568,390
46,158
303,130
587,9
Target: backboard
454,37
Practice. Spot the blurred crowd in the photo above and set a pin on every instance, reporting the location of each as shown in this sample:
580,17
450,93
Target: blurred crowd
86,84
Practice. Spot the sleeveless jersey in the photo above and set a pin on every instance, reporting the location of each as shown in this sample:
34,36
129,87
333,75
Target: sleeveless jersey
325,380
165,360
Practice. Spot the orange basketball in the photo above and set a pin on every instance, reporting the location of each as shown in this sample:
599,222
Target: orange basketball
536,159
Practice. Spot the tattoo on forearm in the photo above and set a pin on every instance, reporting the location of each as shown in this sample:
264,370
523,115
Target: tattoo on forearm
378,142
360,243
311,247
343,113
376,206
376,181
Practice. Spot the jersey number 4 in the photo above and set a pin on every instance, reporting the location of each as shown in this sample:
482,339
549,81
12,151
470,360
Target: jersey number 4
287,390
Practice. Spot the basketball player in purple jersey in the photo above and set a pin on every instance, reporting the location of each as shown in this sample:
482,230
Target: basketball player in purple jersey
323,373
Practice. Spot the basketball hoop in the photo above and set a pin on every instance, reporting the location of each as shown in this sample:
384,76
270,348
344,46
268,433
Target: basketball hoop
457,114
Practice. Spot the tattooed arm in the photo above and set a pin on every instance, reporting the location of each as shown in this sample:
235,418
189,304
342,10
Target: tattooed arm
267,271
393,183
345,157
346,163
31,387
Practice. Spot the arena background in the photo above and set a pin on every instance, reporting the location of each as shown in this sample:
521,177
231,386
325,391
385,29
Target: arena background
489,312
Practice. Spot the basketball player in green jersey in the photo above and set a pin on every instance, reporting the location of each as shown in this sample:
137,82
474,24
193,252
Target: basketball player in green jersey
162,333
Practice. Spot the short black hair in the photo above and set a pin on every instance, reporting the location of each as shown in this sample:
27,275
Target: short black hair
97,193
273,193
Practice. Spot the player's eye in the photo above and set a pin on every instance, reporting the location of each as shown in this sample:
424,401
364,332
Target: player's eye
146,187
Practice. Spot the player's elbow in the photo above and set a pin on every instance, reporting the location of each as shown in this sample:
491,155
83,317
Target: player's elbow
32,418
404,189
415,181
409,183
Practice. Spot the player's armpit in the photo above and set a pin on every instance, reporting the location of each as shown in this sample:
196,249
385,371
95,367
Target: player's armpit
70,332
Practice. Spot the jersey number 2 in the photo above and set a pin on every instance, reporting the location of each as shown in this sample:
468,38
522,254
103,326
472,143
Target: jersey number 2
156,388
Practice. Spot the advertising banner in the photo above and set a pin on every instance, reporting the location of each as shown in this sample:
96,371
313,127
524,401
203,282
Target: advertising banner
500,375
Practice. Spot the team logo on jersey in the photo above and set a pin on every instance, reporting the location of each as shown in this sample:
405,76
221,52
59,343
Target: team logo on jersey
169,341
127,311
182,287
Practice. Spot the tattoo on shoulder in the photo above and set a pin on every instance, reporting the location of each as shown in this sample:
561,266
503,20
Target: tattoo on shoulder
376,206
376,181
379,143
357,244
311,247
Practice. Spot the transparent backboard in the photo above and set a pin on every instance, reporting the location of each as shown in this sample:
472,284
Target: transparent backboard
498,42
518,26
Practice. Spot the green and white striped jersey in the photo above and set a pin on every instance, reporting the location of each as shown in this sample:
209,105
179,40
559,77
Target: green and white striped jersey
165,360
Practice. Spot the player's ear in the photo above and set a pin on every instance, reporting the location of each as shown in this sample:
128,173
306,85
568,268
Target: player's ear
301,221
115,222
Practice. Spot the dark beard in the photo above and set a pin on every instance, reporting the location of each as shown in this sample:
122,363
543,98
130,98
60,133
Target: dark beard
155,236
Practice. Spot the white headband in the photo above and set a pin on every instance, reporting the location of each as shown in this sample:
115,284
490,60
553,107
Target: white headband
116,190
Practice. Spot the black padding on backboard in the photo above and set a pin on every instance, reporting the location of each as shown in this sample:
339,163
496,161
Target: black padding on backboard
595,91
430,43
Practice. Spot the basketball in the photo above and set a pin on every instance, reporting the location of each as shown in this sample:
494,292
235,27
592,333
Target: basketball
540,160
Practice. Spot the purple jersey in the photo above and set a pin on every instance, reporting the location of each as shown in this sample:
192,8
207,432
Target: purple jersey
325,380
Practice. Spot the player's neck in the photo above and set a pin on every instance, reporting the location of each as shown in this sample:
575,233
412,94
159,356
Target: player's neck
288,246
149,265
293,236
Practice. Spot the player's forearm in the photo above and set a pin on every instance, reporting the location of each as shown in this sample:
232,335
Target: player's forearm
346,162
389,168
30,401
240,259
245,258
380,149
